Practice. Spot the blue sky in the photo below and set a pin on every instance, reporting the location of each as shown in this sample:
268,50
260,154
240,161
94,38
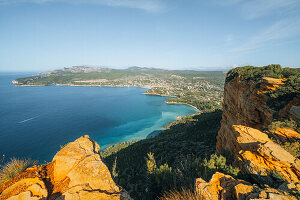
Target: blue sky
38,35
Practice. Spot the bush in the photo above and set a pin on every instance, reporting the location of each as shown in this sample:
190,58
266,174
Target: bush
217,163
277,178
13,167
284,124
181,195
159,178
293,148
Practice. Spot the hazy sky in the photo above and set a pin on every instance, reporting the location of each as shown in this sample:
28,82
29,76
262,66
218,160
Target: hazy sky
38,35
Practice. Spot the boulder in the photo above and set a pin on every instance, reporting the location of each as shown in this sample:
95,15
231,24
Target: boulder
76,172
225,187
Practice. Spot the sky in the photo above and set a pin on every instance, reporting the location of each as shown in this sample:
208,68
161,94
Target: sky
40,35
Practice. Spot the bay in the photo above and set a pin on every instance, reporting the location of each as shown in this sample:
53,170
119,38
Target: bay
36,121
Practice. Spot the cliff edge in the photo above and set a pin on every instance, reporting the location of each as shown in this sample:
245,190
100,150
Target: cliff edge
255,100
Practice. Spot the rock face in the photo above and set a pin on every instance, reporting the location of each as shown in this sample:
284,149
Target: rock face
244,105
295,113
225,187
245,115
76,172
258,155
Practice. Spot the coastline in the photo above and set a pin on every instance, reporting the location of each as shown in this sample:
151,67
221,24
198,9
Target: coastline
145,93
184,104
156,94
161,95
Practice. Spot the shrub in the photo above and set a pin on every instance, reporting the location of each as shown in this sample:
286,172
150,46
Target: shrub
284,124
13,167
293,148
159,178
181,195
151,163
163,175
217,163
277,178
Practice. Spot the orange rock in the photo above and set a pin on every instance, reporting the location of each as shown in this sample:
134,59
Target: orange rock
257,154
245,114
34,187
242,106
225,187
270,84
76,172
285,134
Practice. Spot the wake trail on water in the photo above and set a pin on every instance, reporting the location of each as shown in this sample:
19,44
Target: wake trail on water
26,120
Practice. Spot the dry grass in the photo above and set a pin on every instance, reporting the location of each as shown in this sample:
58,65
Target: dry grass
14,166
183,194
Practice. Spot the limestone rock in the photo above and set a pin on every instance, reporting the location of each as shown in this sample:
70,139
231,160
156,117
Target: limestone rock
76,172
245,114
30,188
295,112
257,154
285,134
79,165
225,187
243,105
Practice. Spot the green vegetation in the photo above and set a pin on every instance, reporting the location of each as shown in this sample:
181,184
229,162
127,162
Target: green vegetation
170,160
13,167
278,98
115,148
284,123
277,178
293,148
204,106
292,145
217,163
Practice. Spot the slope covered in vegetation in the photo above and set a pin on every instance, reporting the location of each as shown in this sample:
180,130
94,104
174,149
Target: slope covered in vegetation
148,168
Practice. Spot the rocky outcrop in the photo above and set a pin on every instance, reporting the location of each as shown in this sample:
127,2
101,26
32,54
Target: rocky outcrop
245,115
295,113
244,104
225,187
259,156
76,172
285,135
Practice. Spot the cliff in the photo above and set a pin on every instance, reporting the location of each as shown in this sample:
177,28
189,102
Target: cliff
253,103
76,172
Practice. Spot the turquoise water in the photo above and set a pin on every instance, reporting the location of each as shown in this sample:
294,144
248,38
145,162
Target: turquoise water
35,121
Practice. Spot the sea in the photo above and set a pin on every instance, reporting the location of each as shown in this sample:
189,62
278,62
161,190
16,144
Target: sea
36,121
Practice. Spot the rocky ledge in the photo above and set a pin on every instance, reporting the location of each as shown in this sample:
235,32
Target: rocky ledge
76,172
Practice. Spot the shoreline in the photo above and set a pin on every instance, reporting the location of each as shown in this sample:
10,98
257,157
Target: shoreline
145,93
184,104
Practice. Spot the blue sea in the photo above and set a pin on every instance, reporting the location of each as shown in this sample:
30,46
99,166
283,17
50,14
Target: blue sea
35,121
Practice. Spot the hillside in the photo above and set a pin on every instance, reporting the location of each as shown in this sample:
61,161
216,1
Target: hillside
203,90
